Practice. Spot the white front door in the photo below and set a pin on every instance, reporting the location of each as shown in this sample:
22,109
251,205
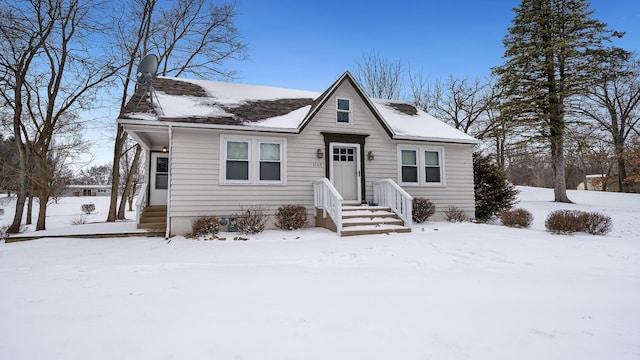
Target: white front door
158,179
345,173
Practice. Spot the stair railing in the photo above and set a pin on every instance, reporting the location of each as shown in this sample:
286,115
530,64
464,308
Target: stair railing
327,198
387,193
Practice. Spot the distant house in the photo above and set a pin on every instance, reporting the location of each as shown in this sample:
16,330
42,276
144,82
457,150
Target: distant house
87,190
214,147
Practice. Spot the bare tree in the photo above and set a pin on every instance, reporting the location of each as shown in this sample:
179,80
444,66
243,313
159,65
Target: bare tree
25,26
62,78
380,77
614,105
424,94
190,37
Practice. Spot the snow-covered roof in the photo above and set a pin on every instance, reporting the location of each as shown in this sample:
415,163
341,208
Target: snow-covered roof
220,104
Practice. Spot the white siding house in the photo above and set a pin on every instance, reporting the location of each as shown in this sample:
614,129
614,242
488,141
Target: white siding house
214,148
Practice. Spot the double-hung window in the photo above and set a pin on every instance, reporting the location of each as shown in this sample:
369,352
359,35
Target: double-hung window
270,163
421,165
409,158
237,160
343,111
252,160
432,166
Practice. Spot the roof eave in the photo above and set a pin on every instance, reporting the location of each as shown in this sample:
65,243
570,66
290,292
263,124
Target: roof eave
437,139
179,124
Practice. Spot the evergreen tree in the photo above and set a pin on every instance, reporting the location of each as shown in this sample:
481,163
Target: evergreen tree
493,192
552,52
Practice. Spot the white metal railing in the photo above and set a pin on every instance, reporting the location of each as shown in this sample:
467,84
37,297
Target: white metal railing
387,193
327,198
141,201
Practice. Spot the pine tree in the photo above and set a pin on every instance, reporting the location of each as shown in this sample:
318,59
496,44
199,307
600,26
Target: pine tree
552,52
493,192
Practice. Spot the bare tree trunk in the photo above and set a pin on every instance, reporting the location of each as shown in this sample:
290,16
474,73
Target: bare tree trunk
622,169
14,228
121,137
128,182
131,196
559,181
42,212
29,219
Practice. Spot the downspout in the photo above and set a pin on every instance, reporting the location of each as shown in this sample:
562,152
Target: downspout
168,231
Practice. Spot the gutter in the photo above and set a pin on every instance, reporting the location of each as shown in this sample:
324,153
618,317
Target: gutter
168,231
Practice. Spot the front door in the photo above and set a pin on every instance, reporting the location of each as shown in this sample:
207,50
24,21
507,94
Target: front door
158,179
345,170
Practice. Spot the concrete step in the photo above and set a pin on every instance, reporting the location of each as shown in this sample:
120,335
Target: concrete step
357,221
374,229
153,226
365,220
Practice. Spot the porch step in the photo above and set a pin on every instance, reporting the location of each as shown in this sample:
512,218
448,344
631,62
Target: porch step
364,220
153,217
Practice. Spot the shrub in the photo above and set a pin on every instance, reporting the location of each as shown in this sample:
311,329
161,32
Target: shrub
79,220
88,208
422,209
565,221
251,220
454,214
595,223
493,192
289,217
519,218
204,226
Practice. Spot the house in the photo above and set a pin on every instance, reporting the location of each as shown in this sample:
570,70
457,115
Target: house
214,147
87,190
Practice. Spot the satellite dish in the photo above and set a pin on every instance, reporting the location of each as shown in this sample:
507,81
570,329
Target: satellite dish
146,75
147,70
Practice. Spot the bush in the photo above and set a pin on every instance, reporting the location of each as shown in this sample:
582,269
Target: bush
493,191
454,214
88,208
564,221
570,221
422,209
251,220
519,218
204,226
596,224
79,220
290,217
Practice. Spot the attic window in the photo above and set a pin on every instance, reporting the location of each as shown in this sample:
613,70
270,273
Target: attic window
343,107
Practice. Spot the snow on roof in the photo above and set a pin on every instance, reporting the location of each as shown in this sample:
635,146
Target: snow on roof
251,106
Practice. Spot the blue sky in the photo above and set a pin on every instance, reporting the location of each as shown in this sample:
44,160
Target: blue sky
308,44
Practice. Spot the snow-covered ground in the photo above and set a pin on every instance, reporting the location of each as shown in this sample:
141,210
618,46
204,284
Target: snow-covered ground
444,291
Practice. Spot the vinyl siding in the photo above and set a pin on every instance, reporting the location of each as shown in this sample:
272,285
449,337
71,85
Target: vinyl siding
196,189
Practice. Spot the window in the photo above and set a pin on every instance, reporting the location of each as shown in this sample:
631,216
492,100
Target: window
409,166
432,166
252,160
343,107
162,173
270,161
421,165
237,160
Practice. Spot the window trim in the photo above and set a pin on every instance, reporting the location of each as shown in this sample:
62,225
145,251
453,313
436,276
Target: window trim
259,161
344,111
225,159
401,165
440,152
421,159
254,159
